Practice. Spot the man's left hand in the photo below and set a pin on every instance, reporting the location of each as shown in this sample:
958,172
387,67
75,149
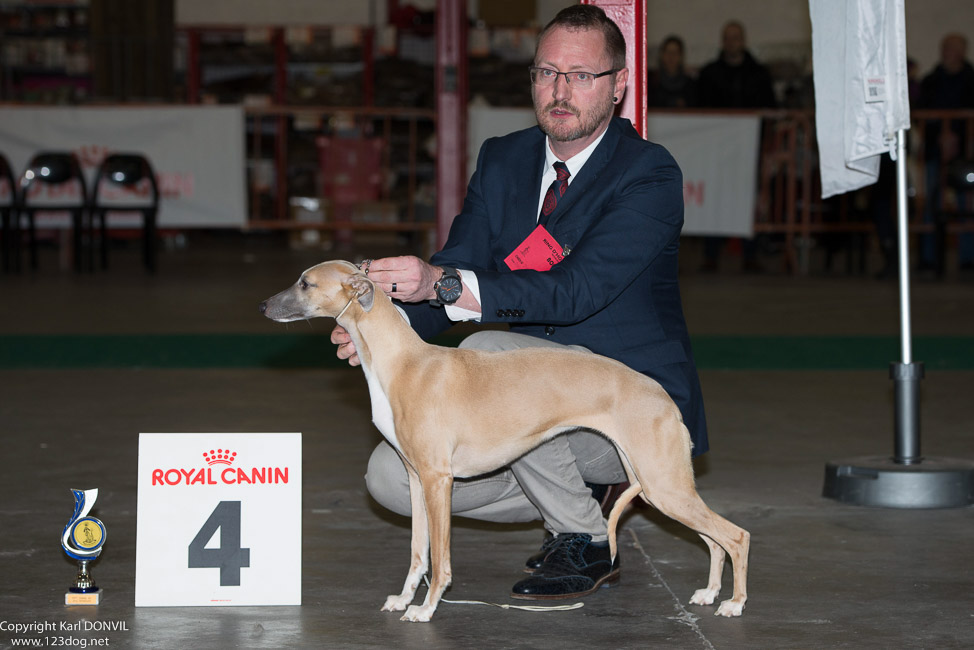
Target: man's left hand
406,278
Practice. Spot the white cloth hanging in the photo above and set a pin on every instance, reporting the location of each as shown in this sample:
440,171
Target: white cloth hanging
861,87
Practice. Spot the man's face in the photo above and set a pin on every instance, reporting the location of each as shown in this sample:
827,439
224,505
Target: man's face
953,51
671,58
564,113
732,41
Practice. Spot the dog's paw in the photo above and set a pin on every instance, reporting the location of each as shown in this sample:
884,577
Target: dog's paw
396,603
730,608
704,596
418,614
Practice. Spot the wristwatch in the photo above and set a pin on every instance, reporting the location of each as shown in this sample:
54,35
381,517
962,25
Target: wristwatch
448,288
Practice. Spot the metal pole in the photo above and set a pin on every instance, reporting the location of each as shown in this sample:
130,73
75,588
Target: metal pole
906,375
904,239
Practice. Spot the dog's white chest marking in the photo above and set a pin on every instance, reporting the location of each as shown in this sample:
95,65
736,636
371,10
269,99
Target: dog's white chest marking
381,409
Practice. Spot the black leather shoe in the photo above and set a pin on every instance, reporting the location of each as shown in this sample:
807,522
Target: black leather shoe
573,567
535,561
605,495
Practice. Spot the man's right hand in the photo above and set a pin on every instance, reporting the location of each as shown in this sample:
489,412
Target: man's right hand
346,348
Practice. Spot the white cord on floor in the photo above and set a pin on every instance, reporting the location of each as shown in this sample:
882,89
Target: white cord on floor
527,608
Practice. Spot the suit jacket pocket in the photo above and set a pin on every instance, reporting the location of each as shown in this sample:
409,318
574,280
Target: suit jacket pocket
656,354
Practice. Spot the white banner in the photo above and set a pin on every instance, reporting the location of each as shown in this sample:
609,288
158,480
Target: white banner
718,156
197,152
719,159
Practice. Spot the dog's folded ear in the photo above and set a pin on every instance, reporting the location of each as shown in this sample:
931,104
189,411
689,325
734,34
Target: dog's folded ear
362,289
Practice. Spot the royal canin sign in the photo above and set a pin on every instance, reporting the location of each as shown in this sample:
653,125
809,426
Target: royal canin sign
214,475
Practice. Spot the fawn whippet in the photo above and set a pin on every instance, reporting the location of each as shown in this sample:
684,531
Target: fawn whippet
485,426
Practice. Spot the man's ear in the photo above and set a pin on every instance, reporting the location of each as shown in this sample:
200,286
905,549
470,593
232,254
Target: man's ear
362,289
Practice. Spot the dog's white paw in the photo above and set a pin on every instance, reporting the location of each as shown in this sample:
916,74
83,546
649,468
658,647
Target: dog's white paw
396,603
418,614
704,596
730,608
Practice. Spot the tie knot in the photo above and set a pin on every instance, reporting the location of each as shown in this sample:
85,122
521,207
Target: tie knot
562,170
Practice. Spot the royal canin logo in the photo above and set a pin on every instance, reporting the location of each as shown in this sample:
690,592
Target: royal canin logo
212,475
220,456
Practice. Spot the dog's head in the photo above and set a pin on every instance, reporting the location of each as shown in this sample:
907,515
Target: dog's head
323,290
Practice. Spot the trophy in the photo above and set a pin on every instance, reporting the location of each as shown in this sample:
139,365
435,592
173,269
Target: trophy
82,540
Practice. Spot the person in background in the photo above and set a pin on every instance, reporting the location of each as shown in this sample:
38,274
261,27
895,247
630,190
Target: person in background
669,85
734,80
949,86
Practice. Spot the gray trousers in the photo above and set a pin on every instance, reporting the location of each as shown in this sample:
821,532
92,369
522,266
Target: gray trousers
547,483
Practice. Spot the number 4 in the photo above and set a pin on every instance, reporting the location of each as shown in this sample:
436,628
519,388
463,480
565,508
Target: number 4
229,557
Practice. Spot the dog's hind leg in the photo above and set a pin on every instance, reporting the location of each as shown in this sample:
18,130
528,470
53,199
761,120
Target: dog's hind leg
420,546
717,556
669,486
437,490
689,509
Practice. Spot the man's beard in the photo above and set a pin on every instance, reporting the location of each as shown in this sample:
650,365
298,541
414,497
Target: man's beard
586,126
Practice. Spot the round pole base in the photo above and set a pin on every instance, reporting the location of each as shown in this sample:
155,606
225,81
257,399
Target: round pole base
877,481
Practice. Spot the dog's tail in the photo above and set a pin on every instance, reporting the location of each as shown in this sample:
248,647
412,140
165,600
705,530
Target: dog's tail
617,509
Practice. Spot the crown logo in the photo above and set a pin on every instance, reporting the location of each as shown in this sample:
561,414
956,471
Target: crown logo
219,457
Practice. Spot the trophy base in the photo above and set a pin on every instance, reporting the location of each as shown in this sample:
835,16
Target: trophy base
87,597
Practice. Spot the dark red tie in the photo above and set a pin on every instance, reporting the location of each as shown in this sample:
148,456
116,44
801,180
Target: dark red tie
555,192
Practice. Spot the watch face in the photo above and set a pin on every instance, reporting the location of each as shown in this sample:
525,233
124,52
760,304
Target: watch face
449,290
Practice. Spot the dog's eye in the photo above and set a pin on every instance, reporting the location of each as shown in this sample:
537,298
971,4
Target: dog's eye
303,284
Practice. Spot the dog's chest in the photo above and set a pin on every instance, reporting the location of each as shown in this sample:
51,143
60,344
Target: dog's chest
381,410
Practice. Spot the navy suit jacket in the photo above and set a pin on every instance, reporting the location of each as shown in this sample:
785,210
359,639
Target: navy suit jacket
616,291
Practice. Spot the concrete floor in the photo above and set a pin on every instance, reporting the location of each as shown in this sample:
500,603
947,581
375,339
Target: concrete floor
822,574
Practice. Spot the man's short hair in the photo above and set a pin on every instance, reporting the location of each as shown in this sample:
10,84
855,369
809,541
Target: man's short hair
583,17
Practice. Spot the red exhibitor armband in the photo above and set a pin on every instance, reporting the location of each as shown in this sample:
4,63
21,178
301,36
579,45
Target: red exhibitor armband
538,252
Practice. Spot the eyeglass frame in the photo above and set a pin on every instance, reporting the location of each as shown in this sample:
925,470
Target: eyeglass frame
595,75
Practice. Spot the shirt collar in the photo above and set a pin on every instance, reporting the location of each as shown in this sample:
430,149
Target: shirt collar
574,163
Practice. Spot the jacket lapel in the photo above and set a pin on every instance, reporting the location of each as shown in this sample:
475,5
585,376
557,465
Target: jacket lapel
527,190
586,176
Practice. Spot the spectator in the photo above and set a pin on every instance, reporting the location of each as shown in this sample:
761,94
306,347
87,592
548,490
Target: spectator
949,86
670,86
734,80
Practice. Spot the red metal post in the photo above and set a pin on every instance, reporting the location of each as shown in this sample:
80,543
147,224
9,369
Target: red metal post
630,16
193,66
451,112
368,75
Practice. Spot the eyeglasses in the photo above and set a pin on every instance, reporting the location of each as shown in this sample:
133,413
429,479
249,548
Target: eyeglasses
581,80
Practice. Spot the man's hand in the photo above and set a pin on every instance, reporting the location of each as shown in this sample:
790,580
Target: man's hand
413,278
346,349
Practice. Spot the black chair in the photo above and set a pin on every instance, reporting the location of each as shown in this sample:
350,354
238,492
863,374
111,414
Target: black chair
960,178
8,213
52,168
132,172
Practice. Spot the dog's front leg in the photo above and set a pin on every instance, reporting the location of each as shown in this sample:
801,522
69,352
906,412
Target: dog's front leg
438,490
717,555
420,546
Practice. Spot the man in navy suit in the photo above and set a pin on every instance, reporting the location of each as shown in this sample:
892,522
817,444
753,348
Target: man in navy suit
613,203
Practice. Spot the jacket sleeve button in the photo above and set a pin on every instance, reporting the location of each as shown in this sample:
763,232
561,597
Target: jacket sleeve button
549,330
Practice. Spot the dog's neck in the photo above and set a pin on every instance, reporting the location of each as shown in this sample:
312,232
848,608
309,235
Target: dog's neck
342,312
379,334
